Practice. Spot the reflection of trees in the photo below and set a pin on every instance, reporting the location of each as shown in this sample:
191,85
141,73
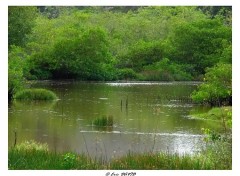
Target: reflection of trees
32,105
82,104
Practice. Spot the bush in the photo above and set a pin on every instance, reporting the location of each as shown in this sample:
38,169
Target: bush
217,88
155,75
165,70
69,160
200,43
35,94
141,54
126,73
85,55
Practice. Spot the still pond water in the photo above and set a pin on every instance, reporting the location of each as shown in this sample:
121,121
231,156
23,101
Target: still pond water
157,117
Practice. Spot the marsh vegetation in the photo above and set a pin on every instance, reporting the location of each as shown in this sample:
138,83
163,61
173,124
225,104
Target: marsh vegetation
32,155
35,94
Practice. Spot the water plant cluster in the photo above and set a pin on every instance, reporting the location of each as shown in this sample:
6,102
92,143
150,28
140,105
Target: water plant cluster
35,94
104,121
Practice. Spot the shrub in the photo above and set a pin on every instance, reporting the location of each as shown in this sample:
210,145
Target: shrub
165,70
217,88
69,160
126,73
35,94
141,54
85,55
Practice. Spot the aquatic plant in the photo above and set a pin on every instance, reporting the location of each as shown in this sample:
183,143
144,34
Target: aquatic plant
31,146
103,121
35,94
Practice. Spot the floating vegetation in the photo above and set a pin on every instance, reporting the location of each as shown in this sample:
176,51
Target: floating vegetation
35,94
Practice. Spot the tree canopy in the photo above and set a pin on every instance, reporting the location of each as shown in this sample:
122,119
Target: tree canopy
20,23
110,43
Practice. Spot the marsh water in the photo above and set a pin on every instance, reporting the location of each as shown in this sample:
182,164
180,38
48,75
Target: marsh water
147,117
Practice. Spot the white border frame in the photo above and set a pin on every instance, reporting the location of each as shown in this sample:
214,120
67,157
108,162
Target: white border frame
4,72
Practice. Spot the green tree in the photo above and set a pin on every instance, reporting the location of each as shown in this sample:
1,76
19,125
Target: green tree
20,22
82,56
217,88
200,43
16,64
142,54
165,70
225,12
134,39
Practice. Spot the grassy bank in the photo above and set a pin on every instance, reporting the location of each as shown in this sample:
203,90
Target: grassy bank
217,113
32,155
222,115
35,94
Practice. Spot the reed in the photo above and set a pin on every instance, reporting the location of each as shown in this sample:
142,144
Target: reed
104,121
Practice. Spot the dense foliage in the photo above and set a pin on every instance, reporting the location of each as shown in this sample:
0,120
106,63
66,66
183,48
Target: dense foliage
115,43
111,43
16,63
217,88
20,23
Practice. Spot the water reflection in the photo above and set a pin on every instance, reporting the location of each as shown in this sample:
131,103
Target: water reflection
147,117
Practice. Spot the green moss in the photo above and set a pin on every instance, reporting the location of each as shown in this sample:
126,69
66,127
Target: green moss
35,94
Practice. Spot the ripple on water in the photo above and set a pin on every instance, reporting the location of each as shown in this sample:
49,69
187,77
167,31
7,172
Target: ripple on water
178,105
144,133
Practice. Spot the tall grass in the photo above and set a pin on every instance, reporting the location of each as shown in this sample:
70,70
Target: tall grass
104,121
33,155
216,113
35,94
37,156
214,157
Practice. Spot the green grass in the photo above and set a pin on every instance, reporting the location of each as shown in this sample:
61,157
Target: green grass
35,94
217,113
215,157
104,121
32,155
